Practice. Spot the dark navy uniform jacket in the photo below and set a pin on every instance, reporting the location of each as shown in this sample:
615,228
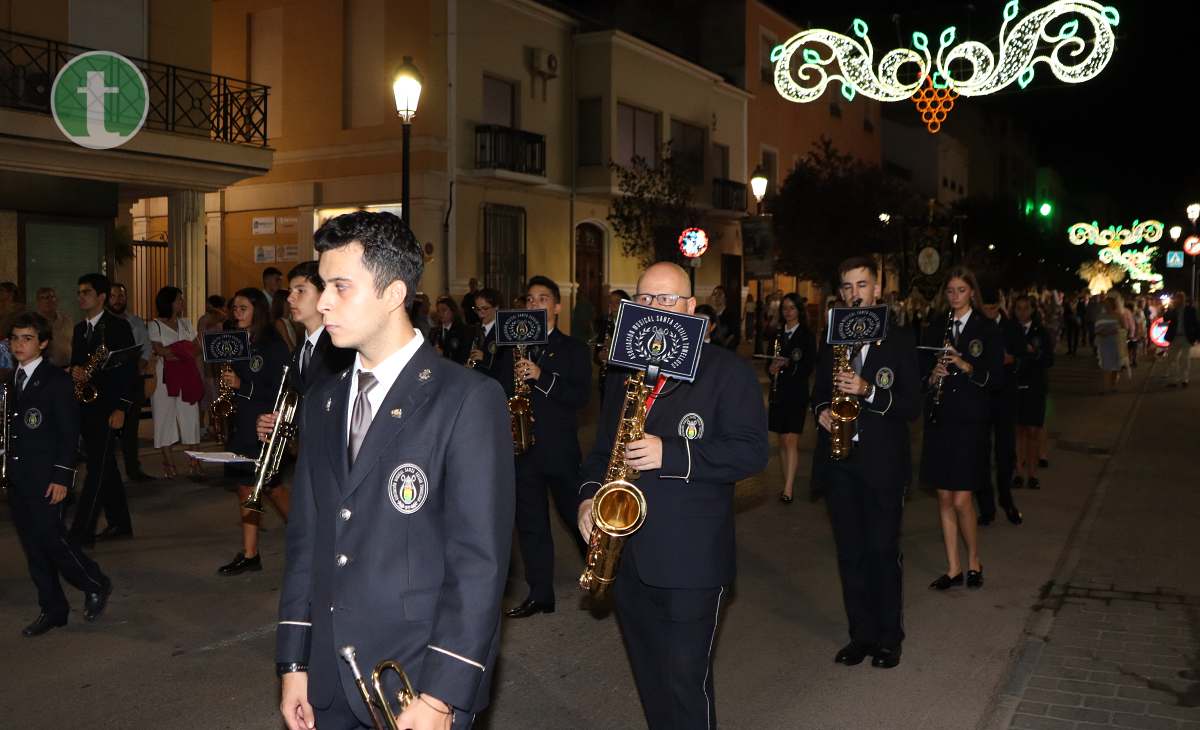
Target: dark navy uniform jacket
491,354
405,554
260,376
883,447
714,432
117,385
45,430
455,341
1030,371
557,397
965,398
327,361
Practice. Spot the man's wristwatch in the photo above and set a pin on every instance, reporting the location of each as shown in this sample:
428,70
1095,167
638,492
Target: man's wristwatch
289,667
870,394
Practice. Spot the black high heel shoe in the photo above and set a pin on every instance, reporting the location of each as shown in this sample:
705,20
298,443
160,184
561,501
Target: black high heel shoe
785,498
945,582
975,578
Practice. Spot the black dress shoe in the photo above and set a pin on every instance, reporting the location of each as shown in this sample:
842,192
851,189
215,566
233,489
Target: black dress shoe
1014,515
94,603
853,653
42,624
886,657
945,582
1018,482
1034,483
114,533
975,578
529,608
1043,463
240,565
984,521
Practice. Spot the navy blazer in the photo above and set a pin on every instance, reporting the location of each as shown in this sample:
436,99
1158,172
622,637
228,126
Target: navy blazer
118,386
563,389
965,398
714,432
883,450
405,554
44,422
327,360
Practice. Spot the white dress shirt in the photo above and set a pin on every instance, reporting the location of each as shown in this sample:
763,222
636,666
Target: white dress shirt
385,374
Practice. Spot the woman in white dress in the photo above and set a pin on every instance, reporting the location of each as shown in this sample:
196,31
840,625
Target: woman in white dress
174,419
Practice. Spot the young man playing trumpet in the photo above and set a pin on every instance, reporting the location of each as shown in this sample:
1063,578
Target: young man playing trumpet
402,509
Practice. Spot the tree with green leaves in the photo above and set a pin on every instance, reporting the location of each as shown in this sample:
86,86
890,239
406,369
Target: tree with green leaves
654,205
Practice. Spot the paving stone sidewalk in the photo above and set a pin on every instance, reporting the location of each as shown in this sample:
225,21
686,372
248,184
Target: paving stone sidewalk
1114,641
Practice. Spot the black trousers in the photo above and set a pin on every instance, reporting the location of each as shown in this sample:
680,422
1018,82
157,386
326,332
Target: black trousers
669,635
1072,328
866,529
1003,445
48,551
129,435
340,715
533,522
103,488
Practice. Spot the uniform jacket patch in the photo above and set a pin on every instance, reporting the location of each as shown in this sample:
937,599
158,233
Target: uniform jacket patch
408,488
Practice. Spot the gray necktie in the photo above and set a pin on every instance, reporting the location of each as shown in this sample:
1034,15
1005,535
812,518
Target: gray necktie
857,362
21,381
360,422
306,356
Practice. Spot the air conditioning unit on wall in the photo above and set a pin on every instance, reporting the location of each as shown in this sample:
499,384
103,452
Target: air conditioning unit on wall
543,63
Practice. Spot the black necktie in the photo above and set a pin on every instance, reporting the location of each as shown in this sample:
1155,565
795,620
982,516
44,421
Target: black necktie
306,356
90,330
957,331
21,380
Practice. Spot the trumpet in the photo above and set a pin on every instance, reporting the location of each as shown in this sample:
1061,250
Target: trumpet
5,436
383,716
619,507
270,456
520,409
86,391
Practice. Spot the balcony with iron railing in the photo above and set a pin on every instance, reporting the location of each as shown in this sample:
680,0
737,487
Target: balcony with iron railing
510,150
182,101
728,195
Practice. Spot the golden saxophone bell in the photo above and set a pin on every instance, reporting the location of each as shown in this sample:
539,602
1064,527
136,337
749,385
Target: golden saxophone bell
383,715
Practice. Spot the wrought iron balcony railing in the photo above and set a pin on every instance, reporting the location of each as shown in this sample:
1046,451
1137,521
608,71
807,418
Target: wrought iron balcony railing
502,148
728,194
182,100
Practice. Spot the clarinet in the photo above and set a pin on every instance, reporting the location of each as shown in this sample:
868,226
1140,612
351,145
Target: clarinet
936,404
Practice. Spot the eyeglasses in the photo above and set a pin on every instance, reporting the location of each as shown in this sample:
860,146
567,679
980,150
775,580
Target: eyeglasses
667,300
482,309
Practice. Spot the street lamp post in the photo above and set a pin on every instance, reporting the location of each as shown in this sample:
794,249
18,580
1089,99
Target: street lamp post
406,87
1193,212
758,186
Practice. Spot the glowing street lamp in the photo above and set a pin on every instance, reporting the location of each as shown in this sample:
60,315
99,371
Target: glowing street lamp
406,87
1176,232
1193,212
758,186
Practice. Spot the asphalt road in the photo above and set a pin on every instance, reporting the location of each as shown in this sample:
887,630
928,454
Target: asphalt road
181,647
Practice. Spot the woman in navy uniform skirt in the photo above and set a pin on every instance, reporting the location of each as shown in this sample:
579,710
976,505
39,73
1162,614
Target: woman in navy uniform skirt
255,383
1037,355
789,388
954,454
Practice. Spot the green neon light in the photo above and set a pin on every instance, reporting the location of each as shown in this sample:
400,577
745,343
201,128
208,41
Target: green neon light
860,27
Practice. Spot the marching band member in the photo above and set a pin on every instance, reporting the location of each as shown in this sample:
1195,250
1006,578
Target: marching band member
483,346
865,491
789,388
401,523
44,423
450,336
1035,356
318,358
98,420
1002,424
561,377
604,329
953,454
701,437
255,383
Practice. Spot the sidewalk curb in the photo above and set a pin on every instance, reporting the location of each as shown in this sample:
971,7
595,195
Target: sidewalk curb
1025,656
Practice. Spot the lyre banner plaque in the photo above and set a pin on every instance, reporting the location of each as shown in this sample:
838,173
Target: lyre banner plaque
226,346
856,325
651,339
521,327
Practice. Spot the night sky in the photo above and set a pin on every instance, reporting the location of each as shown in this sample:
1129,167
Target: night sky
1130,133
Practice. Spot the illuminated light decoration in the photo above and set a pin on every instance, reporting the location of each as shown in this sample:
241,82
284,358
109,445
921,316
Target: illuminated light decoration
1021,49
934,101
1100,277
1137,263
1191,245
1149,231
693,242
1158,332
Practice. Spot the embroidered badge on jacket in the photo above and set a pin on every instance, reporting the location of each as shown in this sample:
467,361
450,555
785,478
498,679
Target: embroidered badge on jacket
884,377
975,348
33,418
407,488
691,427
256,363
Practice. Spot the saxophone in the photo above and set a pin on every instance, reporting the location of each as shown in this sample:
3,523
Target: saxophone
223,405
520,410
935,407
619,507
843,409
86,391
